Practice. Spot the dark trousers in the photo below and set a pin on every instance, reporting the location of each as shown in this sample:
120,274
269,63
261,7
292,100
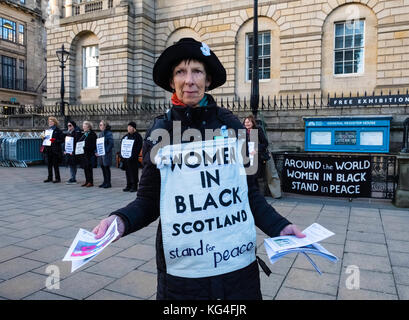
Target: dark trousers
132,177
53,163
88,173
243,284
106,172
260,174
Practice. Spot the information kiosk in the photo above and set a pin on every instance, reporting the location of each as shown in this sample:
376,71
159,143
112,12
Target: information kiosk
369,134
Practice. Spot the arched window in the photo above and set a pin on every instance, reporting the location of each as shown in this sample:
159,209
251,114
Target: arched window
264,55
84,68
8,29
349,47
349,50
182,33
268,59
90,66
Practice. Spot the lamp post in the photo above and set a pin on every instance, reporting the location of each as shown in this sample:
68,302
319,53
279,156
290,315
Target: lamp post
62,56
254,99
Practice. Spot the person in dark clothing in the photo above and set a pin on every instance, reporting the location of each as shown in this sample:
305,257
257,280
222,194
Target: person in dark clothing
261,148
130,156
53,150
206,243
74,132
87,156
105,161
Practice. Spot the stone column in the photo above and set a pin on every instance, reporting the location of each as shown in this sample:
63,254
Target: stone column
402,193
68,8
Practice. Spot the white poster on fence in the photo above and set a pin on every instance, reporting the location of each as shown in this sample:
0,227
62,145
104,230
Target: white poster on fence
47,136
101,146
69,145
126,148
79,147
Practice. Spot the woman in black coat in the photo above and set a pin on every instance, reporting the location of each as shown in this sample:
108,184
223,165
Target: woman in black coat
105,161
87,158
262,145
53,150
191,233
72,161
130,161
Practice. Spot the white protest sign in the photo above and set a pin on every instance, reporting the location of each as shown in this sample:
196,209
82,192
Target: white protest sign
101,146
69,144
48,134
79,147
251,149
207,225
126,148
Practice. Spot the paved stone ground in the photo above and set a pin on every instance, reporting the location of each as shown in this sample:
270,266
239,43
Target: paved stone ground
38,222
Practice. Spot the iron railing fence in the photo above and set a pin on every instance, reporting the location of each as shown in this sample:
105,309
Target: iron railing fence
270,103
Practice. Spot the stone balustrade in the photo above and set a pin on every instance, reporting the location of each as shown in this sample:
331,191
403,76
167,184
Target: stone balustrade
75,9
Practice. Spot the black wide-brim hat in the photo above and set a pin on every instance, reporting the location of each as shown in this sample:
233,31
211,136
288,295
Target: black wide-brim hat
188,48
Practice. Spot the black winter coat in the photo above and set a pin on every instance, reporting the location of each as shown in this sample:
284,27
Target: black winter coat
55,150
89,158
106,160
240,284
136,148
76,134
262,145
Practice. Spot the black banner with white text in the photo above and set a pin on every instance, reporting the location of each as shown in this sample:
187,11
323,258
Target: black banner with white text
327,176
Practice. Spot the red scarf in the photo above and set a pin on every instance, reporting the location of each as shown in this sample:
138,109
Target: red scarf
175,100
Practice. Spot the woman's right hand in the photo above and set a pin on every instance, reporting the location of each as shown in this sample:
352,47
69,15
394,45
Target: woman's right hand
104,224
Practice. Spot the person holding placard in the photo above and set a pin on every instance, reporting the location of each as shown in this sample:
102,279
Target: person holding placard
53,150
131,145
261,148
194,179
71,138
85,149
105,144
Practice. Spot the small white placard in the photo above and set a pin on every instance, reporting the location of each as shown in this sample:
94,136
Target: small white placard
79,148
48,134
69,144
101,146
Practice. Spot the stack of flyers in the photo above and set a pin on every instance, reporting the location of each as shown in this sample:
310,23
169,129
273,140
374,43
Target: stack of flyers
85,247
278,247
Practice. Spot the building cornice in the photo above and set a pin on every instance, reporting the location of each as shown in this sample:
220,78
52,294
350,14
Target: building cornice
37,12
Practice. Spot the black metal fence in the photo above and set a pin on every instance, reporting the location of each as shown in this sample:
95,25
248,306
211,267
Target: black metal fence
384,173
272,103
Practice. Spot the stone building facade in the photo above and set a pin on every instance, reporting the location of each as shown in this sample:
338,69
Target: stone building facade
112,49
308,46
22,54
